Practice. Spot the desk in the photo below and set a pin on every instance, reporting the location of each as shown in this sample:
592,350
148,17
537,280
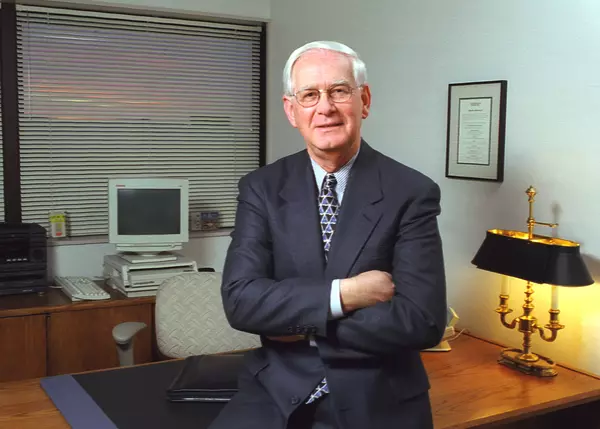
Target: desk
49,334
468,389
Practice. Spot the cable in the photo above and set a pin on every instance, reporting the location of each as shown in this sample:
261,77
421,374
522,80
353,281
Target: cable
457,335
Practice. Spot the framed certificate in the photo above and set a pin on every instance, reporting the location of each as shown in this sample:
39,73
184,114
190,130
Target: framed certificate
476,128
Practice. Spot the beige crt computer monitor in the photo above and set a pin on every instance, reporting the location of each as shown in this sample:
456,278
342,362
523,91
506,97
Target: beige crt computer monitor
148,217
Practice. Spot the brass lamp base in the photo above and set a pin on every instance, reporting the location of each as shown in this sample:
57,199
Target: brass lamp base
537,365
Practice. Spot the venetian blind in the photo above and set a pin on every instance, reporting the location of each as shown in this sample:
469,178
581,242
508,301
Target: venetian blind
106,95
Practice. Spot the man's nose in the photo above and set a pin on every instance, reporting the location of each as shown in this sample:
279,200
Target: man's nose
325,104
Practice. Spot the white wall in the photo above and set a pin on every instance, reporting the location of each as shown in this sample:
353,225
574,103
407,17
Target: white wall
548,52
86,259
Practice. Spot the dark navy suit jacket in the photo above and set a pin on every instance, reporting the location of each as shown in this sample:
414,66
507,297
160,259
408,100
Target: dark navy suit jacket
276,282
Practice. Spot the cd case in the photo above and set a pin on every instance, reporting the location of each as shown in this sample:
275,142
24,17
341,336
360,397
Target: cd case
207,378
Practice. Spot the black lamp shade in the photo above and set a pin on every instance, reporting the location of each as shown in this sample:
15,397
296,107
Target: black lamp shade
540,260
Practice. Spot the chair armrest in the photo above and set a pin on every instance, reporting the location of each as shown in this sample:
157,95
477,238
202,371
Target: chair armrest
124,332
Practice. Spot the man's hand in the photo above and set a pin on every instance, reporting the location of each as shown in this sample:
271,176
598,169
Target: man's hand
366,290
288,338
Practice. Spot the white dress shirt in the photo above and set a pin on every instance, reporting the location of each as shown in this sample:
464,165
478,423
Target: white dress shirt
341,176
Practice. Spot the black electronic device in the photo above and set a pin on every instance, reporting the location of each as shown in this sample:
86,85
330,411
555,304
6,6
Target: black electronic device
23,258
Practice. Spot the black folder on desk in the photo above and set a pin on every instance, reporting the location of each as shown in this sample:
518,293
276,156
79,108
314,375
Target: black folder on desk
127,398
207,378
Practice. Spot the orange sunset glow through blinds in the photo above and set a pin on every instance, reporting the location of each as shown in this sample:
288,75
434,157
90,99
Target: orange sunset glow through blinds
108,95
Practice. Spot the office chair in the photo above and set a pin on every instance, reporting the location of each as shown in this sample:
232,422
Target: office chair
190,321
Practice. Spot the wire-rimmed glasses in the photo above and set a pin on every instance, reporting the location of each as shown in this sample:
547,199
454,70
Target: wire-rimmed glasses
337,93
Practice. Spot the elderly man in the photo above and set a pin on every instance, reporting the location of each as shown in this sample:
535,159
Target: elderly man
336,262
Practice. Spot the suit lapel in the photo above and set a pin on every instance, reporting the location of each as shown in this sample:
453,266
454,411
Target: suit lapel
299,217
359,214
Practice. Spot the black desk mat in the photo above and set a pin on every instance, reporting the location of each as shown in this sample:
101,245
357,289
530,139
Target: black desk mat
135,398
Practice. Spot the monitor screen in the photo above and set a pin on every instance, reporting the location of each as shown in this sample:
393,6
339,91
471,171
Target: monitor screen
148,215
148,211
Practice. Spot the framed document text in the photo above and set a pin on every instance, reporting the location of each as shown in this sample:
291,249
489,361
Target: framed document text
476,127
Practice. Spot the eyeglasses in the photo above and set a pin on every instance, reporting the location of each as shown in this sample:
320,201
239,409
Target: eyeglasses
337,94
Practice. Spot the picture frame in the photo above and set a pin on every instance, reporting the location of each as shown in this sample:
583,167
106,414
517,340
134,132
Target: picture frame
476,130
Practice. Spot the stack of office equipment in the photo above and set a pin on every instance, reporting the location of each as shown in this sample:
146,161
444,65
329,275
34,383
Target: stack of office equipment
144,277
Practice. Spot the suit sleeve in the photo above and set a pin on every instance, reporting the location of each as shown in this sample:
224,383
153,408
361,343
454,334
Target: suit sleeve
253,300
415,318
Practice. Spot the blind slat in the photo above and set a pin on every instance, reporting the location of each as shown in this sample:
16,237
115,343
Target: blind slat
88,17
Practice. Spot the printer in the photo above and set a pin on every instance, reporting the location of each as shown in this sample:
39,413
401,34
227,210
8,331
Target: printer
23,258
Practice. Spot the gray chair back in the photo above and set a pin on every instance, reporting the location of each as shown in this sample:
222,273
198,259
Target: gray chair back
190,319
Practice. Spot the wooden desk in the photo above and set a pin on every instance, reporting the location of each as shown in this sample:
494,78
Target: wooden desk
49,334
469,389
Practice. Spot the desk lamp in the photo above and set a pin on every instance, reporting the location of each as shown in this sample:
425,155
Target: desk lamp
535,259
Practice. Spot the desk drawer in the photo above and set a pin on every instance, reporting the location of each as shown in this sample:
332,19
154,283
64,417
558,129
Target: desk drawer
22,347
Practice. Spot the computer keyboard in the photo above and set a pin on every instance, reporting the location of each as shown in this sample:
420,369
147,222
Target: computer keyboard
81,288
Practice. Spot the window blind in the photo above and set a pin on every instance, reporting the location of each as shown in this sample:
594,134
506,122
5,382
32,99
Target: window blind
106,95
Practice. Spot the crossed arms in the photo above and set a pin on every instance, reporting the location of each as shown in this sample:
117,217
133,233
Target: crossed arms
383,312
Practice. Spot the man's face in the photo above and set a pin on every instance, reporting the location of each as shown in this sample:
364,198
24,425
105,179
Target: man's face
327,126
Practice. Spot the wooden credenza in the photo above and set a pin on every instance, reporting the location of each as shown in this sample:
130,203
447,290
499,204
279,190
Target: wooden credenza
49,334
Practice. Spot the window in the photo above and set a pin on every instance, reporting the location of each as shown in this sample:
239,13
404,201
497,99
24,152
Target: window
106,95
1,155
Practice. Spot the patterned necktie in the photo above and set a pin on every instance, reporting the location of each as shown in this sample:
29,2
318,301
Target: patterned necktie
328,210
328,214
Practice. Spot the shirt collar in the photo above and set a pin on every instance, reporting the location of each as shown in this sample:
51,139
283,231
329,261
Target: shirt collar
343,171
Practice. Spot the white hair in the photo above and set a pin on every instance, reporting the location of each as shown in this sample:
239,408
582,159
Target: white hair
359,68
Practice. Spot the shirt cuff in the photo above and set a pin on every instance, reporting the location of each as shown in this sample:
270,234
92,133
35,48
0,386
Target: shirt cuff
335,301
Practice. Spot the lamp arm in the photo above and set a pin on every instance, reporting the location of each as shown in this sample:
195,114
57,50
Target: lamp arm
510,325
552,337
553,326
503,310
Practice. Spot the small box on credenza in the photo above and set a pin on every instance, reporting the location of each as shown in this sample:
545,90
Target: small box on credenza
204,221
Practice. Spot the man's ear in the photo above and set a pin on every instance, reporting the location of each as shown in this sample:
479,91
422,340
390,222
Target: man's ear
288,106
365,96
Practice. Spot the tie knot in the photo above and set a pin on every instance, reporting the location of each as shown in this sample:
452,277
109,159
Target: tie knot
329,182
